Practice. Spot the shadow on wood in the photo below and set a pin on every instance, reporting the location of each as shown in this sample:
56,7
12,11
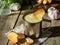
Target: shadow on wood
55,31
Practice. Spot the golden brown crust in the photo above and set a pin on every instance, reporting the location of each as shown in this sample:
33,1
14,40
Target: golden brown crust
44,1
29,40
13,37
39,12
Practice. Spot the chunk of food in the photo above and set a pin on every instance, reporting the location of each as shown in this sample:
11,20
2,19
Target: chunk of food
44,1
39,12
13,37
29,40
35,17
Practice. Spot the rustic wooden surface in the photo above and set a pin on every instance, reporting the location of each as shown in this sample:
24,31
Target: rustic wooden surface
6,23
47,22
54,26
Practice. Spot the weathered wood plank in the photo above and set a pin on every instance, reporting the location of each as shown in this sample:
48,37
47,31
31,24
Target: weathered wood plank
50,41
57,40
6,23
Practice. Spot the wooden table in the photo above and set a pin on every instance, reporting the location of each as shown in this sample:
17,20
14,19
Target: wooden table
10,22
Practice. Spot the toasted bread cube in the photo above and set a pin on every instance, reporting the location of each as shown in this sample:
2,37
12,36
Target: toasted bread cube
13,37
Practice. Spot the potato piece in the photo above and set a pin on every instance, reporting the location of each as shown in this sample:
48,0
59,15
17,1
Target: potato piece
49,1
13,37
44,1
29,40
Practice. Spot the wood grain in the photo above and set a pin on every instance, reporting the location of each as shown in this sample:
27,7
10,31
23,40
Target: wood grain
6,23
